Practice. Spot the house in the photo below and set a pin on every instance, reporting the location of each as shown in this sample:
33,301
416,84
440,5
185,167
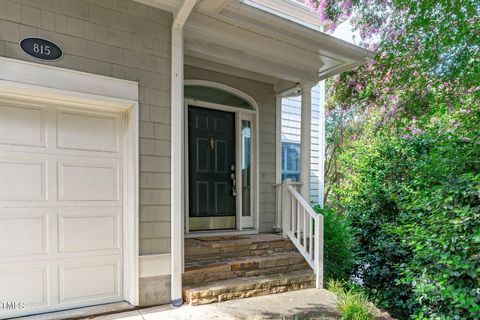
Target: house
139,137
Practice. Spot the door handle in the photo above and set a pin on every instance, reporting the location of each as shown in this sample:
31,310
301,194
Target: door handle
212,143
234,180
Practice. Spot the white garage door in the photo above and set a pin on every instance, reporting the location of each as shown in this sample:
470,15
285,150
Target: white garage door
61,207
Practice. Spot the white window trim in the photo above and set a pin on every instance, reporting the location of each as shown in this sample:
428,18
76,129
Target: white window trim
20,79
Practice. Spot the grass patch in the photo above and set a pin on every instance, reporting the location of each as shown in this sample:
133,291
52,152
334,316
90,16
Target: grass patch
351,303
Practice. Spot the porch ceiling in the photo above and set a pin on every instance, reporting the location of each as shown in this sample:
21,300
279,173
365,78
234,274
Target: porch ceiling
236,34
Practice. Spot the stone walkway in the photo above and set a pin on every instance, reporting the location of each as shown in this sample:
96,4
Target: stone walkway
298,305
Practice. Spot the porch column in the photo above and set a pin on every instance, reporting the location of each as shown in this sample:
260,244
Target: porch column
177,154
321,171
306,139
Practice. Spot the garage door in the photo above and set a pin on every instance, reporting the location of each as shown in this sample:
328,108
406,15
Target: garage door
61,207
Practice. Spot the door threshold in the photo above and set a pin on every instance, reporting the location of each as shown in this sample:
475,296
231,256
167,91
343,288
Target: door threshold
216,233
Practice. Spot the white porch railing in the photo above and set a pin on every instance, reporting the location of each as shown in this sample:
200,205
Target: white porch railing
304,227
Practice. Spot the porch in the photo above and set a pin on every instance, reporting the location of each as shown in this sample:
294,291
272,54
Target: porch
232,64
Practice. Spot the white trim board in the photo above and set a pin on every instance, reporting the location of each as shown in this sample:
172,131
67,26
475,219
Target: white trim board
37,82
64,79
154,265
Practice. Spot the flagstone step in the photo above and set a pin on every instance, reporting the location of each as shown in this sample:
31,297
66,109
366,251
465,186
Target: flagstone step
245,287
214,248
216,270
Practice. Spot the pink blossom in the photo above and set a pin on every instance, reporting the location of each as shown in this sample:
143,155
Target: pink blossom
444,85
345,5
415,130
392,98
332,27
472,90
362,35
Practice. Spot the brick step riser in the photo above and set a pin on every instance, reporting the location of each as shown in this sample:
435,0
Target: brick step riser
253,250
212,297
232,272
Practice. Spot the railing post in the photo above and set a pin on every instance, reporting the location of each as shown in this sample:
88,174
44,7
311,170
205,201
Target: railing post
318,252
286,209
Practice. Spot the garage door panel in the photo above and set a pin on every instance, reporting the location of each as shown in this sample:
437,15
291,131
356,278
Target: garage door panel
88,131
89,229
22,126
88,182
85,281
22,179
23,233
25,285
61,207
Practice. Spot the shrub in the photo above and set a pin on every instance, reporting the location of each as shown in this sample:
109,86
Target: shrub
339,245
351,303
414,201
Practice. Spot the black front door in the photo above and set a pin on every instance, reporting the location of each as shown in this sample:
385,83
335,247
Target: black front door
211,156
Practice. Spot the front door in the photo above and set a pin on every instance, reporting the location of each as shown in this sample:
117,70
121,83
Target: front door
211,148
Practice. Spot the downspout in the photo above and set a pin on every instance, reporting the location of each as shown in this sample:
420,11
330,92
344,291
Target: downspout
177,141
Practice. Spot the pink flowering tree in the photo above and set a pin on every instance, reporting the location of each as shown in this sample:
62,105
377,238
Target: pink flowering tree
425,50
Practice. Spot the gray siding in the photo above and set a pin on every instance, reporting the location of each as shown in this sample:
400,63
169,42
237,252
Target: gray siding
264,96
291,124
120,39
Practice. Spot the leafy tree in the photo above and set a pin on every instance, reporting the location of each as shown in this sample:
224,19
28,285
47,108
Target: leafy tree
406,169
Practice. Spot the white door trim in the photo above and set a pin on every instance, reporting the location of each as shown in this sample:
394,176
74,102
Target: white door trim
240,114
37,82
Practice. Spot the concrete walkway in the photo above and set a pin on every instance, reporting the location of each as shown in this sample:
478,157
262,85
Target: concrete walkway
299,305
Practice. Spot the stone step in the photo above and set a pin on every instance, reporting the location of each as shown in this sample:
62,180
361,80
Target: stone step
239,288
215,248
216,270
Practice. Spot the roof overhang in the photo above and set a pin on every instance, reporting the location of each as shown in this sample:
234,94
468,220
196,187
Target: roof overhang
254,39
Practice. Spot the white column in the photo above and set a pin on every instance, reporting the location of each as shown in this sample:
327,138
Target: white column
306,139
177,193
322,155
278,161
177,154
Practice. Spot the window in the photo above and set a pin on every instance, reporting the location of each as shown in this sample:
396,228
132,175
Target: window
290,161
246,167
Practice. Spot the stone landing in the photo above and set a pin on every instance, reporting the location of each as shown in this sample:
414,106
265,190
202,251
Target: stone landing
226,268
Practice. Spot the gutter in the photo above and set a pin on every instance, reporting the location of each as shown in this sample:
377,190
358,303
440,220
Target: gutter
177,142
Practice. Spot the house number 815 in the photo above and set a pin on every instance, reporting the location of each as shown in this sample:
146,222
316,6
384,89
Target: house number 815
41,49
38,48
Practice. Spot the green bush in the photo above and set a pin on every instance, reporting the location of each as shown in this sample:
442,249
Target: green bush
339,245
351,303
414,202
